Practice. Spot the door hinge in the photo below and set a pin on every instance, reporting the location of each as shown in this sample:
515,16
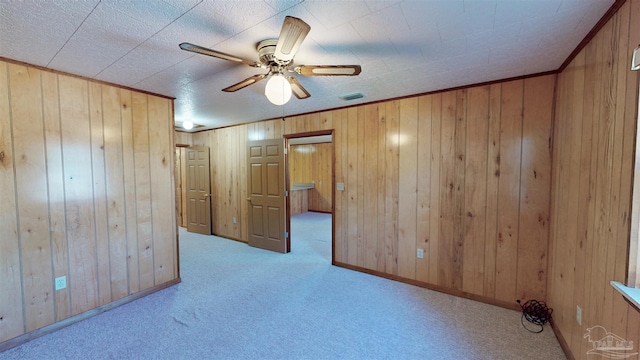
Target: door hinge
286,193
286,234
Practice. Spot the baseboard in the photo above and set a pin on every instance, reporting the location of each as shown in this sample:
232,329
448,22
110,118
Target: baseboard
85,315
484,299
562,341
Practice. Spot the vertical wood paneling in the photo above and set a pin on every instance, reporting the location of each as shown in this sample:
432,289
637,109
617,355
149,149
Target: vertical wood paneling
586,187
351,186
76,196
144,221
408,182
447,189
99,193
162,189
534,188
433,253
79,197
31,194
183,138
392,128
311,163
360,197
423,184
509,189
55,183
12,313
625,128
340,212
371,187
115,191
459,188
128,157
493,178
381,185
595,126
441,172
475,188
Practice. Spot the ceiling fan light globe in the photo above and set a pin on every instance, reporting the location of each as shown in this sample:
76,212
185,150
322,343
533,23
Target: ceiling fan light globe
278,90
187,125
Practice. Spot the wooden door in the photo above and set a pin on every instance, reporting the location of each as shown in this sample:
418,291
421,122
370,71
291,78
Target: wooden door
266,190
178,187
198,190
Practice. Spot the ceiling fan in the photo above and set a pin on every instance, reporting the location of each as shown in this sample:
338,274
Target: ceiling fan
276,55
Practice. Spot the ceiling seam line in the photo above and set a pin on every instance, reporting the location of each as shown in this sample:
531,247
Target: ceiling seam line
70,37
146,40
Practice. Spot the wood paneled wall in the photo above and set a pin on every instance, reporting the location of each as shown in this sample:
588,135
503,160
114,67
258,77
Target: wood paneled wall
182,138
311,163
86,184
464,175
595,128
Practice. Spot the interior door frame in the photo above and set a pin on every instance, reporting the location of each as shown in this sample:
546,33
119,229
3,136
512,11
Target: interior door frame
287,178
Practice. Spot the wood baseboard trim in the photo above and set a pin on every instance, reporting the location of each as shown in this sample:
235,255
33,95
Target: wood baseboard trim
562,341
19,340
484,299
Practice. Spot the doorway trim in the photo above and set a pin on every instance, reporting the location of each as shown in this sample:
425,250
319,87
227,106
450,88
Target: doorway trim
287,137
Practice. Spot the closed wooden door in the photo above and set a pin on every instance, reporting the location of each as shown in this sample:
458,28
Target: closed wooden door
178,187
266,191
198,190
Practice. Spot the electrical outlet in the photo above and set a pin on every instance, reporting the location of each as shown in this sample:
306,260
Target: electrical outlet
579,315
61,282
234,219
420,253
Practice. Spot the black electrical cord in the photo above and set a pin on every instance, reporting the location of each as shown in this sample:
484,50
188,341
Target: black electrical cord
535,312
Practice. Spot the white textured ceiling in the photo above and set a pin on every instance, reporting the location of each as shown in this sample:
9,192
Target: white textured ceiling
404,47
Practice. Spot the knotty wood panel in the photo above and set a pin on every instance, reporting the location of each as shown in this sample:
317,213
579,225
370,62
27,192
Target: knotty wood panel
31,192
408,182
161,152
115,191
12,323
75,160
475,189
444,172
55,183
100,192
79,198
143,189
595,127
311,163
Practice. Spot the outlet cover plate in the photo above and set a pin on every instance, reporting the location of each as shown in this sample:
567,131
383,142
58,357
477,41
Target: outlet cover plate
61,283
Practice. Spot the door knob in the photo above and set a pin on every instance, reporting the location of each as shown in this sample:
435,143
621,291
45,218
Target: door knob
207,195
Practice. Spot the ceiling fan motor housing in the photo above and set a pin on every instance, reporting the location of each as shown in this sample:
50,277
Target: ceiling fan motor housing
266,49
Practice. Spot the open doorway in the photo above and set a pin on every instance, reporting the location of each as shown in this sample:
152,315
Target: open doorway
310,183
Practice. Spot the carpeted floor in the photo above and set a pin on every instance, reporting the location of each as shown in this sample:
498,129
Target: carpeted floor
238,302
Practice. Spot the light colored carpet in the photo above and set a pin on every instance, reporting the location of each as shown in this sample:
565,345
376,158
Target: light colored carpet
238,302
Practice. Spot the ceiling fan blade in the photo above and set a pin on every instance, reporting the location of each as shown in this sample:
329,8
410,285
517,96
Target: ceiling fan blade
220,55
291,36
244,83
328,70
297,89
